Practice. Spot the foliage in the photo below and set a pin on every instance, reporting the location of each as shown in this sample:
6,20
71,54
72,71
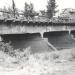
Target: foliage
43,12
6,48
4,14
29,10
64,15
10,11
14,10
51,8
73,54
18,53
22,53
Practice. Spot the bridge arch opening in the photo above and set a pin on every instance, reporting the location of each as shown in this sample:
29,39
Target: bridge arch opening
22,41
60,39
73,34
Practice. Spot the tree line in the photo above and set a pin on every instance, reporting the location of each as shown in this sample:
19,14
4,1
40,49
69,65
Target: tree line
29,11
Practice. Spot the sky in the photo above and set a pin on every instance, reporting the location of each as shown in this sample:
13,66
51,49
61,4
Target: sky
38,4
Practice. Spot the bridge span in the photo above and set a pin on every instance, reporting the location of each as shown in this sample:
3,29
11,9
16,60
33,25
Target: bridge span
17,26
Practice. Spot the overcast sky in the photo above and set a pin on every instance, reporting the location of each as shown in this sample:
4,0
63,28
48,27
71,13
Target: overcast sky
39,4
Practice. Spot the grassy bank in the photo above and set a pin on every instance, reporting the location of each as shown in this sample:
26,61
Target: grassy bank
24,62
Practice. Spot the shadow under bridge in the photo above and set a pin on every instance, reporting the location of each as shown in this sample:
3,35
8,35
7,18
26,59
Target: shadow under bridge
20,41
61,39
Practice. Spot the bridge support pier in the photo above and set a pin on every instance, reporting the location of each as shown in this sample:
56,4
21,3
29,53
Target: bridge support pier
69,32
42,34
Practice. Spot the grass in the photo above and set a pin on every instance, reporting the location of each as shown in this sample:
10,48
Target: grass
23,62
66,54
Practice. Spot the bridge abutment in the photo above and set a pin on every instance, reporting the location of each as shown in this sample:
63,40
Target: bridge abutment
1,39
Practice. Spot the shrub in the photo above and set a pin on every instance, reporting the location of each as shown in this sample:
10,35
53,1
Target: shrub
19,53
24,53
73,54
55,56
6,47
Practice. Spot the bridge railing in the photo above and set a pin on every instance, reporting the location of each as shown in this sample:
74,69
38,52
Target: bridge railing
36,19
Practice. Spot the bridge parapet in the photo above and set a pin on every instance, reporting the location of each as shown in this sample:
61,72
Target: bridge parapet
20,20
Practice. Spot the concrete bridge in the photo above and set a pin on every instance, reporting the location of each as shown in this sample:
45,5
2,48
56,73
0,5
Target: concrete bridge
17,26
23,33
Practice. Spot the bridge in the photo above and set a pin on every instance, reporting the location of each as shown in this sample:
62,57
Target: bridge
42,35
17,26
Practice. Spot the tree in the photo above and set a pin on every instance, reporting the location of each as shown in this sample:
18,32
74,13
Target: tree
43,12
26,8
32,12
10,11
4,10
65,15
29,10
14,9
51,8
